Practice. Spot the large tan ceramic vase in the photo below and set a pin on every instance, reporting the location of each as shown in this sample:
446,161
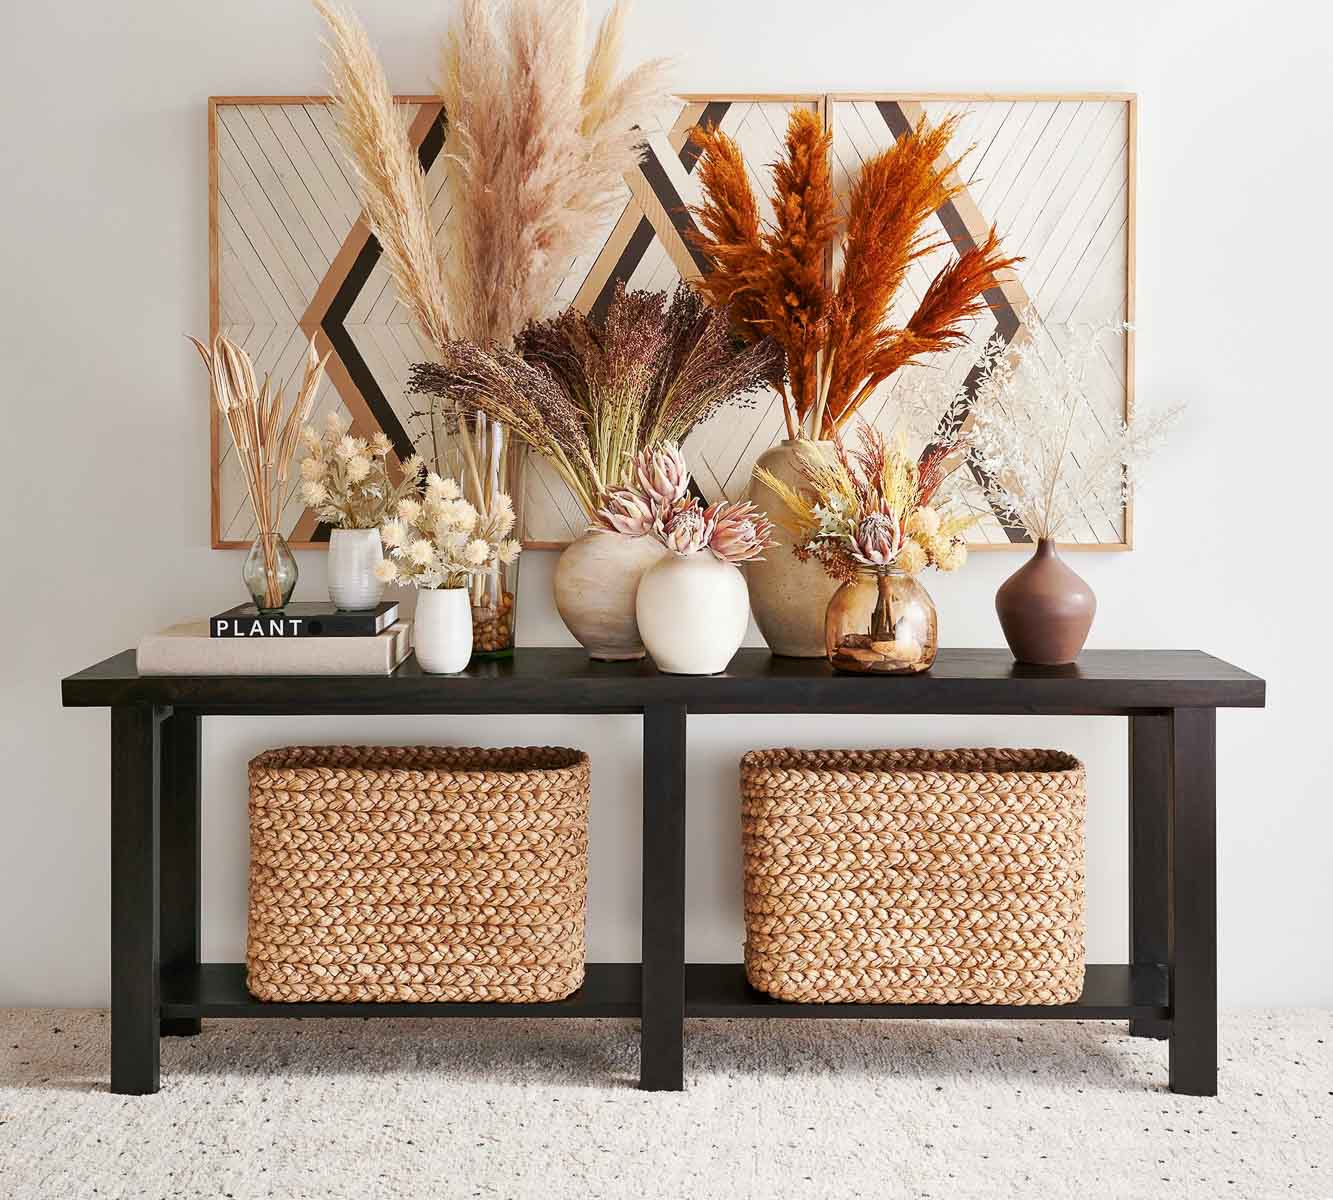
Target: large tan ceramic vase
595,584
789,598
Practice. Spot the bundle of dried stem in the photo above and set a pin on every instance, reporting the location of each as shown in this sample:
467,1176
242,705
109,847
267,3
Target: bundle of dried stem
837,346
590,393
391,185
869,508
265,440
541,136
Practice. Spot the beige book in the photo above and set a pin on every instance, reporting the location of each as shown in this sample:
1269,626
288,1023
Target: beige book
186,649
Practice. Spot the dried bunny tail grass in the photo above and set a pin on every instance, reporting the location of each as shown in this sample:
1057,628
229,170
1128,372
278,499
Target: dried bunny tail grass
392,185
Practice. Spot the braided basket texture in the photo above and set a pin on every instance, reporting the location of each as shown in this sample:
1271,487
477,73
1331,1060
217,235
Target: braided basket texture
417,873
914,876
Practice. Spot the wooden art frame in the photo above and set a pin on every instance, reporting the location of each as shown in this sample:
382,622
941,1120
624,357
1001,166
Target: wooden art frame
266,156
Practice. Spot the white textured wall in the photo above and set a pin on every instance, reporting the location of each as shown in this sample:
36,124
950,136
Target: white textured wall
103,267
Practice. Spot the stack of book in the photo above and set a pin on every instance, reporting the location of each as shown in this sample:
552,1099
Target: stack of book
304,639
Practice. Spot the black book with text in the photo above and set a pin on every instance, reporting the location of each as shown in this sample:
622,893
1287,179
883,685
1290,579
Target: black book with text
303,619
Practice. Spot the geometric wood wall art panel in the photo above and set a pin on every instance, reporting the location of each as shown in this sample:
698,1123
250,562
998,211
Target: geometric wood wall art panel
1056,176
290,258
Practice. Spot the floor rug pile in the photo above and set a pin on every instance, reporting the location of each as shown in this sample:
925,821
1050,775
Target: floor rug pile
446,1110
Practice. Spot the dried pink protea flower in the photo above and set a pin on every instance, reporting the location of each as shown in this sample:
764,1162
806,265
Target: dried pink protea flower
662,473
878,540
740,531
684,528
625,511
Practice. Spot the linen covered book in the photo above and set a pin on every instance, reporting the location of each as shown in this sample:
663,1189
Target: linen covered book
187,649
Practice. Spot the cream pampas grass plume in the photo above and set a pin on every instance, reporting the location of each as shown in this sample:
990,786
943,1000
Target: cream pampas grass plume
541,135
391,183
540,142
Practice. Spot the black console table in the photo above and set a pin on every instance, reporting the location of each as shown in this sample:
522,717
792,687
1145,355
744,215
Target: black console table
1168,989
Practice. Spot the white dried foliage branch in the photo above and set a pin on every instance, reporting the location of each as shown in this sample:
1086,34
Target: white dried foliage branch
1023,423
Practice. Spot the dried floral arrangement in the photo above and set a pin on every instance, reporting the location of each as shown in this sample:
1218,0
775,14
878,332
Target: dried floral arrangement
542,132
1024,414
590,393
440,540
771,275
657,503
345,479
264,438
870,508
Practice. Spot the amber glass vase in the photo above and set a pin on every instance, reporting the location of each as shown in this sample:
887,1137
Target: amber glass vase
882,622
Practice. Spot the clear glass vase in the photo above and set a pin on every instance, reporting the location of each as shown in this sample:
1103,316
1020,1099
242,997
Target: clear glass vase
487,461
882,622
270,572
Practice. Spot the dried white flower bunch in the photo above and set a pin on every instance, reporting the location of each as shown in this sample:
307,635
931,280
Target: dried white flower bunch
1025,421
345,479
439,540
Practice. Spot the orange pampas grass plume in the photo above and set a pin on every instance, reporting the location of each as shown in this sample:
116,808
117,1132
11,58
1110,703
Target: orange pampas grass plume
774,277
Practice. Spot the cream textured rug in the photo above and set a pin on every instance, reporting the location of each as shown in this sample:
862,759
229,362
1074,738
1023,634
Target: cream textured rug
334,1109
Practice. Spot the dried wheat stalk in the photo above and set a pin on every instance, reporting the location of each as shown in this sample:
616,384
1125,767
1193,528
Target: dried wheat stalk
265,441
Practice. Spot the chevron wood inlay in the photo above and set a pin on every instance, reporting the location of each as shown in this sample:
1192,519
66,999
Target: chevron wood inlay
291,258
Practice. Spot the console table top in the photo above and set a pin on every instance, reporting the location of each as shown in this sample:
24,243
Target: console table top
563,679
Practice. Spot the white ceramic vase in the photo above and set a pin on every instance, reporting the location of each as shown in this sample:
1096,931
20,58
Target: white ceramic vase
789,597
353,556
595,583
693,612
442,630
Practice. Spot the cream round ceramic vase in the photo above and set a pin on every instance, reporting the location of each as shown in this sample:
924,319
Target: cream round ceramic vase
789,597
596,580
442,630
353,556
693,612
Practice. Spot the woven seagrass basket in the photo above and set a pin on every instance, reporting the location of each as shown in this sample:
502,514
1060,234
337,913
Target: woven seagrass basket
417,873
914,876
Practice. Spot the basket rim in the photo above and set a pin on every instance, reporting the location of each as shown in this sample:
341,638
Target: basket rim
891,762
369,759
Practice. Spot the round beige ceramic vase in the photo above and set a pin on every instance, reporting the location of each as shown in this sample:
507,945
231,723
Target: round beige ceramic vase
596,580
789,598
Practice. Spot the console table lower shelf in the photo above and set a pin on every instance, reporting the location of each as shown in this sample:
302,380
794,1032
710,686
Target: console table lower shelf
1111,992
160,988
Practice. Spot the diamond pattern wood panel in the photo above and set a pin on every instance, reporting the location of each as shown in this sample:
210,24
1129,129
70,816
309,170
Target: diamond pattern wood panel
291,258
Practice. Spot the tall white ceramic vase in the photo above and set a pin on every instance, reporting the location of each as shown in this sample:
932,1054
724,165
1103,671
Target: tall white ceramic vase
692,613
353,556
442,630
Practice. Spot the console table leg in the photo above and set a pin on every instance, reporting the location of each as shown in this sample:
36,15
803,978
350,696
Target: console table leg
1149,866
180,811
662,1037
1193,1051
135,792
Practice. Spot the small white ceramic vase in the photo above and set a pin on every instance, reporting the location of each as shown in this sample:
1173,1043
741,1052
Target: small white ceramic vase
692,613
595,582
442,630
353,556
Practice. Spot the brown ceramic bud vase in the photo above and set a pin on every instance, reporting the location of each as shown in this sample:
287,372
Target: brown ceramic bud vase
1045,609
